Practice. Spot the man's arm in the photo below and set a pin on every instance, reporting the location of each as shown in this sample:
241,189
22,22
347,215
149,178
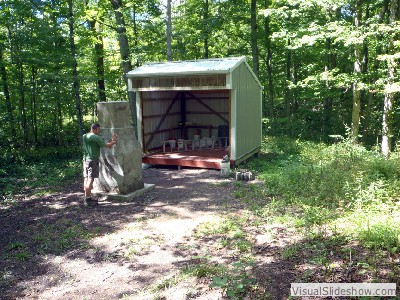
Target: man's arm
113,141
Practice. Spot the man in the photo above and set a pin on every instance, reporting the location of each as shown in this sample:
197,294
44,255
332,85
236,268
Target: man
91,154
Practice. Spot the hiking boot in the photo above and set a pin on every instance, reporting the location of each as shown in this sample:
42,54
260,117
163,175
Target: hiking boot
88,201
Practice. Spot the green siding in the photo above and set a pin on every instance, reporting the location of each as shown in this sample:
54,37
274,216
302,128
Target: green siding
246,112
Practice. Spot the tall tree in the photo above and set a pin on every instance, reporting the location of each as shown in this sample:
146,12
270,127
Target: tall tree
206,28
169,31
96,28
330,65
17,59
288,79
358,56
390,88
373,70
269,60
75,67
254,39
125,55
4,78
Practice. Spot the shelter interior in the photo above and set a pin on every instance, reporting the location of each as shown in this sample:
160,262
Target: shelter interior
186,122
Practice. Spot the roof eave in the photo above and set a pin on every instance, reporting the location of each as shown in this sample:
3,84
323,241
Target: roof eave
162,74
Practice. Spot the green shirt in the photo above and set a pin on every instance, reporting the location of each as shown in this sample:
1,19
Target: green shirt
91,146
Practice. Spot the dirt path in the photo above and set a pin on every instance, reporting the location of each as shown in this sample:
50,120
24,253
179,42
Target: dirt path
169,244
134,248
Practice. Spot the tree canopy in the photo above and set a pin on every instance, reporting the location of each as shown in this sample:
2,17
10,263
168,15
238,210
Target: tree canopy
328,67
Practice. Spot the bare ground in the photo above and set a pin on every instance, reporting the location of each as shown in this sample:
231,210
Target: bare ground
52,247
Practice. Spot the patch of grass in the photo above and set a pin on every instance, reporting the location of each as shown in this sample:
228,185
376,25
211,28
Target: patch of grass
229,231
18,251
338,197
315,184
222,226
22,255
291,251
384,233
169,282
201,266
60,236
16,245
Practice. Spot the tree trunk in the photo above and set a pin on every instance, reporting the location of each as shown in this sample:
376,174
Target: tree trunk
57,93
367,110
22,103
370,94
389,95
328,101
135,33
269,63
75,69
355,117
169,31
295,78
10,114
125,55
288,78
254,43
330,64
16,59
97,29
386,123
33,106
206,29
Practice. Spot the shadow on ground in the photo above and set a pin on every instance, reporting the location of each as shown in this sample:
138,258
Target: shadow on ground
35,231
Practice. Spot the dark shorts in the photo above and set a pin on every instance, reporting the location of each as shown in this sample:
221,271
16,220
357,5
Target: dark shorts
91,168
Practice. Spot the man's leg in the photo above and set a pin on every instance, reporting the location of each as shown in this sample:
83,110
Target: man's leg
86,171
93,172
84,185
88,185
89,172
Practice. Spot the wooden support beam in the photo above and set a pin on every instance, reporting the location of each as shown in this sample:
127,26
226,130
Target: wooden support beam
160,115
183,116
208,107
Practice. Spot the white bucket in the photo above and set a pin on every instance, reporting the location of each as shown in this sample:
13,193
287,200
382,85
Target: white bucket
225,168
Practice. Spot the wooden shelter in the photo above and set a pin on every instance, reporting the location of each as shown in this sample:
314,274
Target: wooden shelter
209,107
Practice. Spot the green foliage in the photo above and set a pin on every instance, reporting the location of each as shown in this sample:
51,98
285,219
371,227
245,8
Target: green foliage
44,169
311,78
236,282
203,267
291,251
384,235
230,232
340,185
339,174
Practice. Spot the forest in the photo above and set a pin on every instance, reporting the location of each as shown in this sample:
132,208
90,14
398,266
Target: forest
325,203
328,67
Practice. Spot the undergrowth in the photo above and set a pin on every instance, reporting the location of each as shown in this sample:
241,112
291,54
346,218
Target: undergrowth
39,170
342,185
341,199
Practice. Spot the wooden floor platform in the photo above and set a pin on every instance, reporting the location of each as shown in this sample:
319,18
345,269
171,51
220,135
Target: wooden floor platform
203,158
